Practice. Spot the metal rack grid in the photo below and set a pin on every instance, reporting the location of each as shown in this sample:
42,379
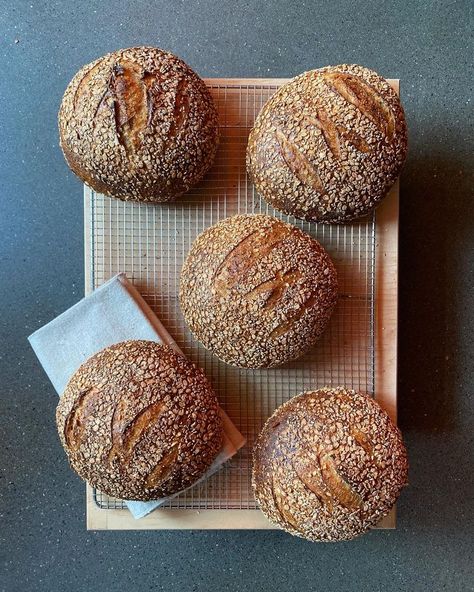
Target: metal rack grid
149,243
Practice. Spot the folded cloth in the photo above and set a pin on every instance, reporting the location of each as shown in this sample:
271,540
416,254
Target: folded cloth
114,312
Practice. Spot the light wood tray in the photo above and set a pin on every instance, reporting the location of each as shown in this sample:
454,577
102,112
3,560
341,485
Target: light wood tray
358,349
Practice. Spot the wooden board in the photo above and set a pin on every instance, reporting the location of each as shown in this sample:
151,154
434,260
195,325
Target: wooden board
384,339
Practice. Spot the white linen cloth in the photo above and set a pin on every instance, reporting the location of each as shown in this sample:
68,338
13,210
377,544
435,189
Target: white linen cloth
114,312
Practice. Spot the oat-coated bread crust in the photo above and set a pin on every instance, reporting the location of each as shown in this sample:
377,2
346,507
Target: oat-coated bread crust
256,291
138,124
139,421
329,144
328,465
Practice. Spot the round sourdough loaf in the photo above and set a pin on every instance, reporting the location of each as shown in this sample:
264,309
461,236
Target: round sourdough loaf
139,421
138,124
329,144
328,465
256,291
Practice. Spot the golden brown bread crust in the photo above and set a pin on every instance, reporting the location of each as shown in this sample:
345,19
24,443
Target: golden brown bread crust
138,124
256,291
139,421
329,144
328,465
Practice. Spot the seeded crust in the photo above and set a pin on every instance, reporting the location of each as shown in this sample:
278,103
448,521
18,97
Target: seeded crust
256,291
139,421
138,124
328,465
329,144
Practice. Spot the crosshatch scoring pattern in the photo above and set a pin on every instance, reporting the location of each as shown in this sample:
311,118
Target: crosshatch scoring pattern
149,244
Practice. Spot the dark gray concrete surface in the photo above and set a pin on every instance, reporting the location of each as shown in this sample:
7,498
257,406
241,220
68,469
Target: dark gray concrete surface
428,44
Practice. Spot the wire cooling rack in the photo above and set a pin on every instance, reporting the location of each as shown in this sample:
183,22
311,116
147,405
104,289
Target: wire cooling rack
149,243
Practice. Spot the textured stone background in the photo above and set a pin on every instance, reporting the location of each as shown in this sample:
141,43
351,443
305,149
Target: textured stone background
429,45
